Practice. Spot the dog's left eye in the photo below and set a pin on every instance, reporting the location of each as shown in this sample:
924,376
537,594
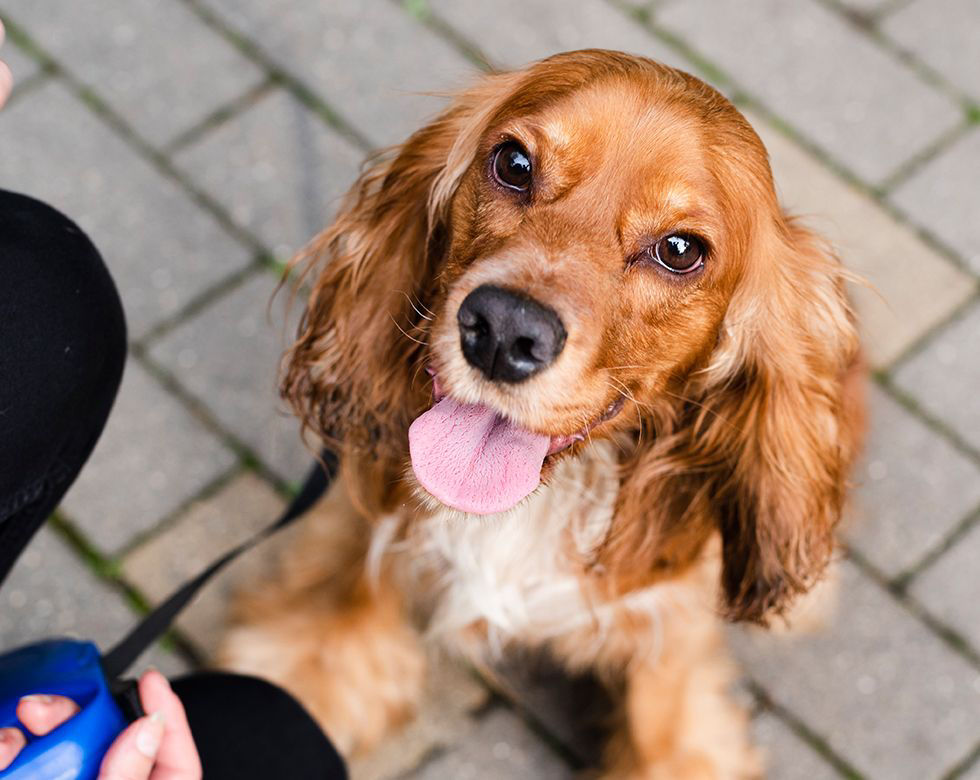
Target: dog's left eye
512,166
679,253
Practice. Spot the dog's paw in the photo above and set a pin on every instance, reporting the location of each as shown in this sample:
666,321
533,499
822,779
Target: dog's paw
358,673
691,766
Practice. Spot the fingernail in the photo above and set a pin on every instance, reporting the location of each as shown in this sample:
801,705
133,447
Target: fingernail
149,735
42,698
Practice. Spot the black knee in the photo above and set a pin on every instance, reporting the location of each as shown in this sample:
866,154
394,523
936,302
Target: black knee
245,728
64,347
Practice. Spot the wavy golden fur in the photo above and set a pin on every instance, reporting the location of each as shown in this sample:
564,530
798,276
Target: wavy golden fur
742,409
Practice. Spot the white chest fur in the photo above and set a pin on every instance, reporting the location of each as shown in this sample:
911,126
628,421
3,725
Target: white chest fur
518,572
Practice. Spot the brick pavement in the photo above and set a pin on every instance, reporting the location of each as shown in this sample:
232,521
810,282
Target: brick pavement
200,142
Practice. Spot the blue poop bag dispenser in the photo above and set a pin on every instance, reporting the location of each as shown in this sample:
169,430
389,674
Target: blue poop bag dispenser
64,667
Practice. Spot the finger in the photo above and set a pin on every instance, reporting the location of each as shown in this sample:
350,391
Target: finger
42,713
11,743
178,758
134,752
2,32
6,83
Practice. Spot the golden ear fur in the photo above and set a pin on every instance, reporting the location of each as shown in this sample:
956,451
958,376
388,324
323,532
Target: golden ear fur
762,449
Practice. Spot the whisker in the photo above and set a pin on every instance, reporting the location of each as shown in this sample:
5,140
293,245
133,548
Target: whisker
624,390
619,385
708,409
639,427
588,436
615,442
419,365
405,333
412,304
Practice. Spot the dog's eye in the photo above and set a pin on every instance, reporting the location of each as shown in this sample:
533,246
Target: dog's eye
679,253
512,166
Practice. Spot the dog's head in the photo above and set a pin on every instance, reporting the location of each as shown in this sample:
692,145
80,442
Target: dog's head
591,248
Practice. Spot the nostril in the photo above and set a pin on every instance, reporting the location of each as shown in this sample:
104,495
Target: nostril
523,349
475,326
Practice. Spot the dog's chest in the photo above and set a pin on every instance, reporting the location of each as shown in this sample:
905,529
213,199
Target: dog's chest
519,574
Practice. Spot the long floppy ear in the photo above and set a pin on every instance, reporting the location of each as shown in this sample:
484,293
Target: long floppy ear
762,447
352,373
791,416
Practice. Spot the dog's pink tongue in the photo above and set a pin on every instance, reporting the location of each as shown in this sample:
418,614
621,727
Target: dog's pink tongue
472,459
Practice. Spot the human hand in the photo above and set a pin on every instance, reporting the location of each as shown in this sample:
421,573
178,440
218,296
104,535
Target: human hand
6,79
156,747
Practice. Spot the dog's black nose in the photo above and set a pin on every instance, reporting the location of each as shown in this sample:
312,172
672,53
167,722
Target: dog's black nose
507,336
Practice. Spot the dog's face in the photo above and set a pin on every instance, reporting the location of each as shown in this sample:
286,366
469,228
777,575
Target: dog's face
590,247
592,252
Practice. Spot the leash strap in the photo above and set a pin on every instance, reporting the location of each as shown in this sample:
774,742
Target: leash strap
152,627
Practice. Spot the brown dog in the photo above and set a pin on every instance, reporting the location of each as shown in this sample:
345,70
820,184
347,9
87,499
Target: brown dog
642,370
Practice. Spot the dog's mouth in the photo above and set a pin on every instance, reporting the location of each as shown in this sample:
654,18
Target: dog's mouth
472,458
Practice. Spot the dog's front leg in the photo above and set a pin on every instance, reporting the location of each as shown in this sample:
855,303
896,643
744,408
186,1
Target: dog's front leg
679,721
319,628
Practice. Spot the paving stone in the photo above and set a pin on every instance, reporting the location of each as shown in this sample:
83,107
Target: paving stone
645,5
51,593
943,34
812,68
152,457
500,746
914,488
277,168
972,772
21,65
787,756
228,356
155,63
372,62
207,529
445,717
944,376
942,197
866,9
742,694
949,587
161,248
883,691
912,287
523,31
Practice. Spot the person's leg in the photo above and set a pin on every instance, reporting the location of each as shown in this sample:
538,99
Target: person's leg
247,728
62,351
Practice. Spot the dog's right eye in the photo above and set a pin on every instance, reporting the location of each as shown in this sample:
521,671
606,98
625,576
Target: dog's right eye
680,253
512,166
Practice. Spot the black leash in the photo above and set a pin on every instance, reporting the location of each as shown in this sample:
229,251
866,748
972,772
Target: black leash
152,627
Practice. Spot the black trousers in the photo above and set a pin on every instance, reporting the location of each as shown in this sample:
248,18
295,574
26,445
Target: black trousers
62,351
